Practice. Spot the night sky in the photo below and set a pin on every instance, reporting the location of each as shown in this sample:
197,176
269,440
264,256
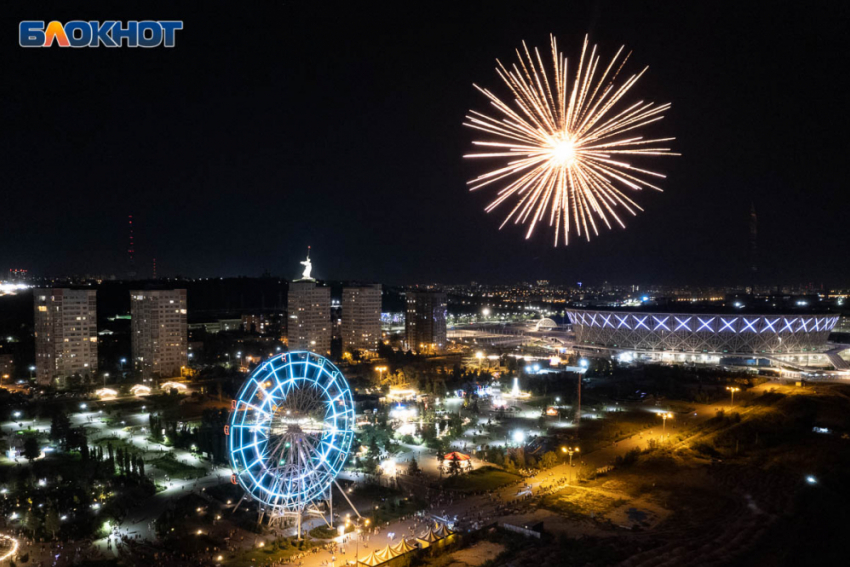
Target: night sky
277,124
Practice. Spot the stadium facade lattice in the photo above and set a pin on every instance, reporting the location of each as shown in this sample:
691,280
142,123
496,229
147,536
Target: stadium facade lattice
717,334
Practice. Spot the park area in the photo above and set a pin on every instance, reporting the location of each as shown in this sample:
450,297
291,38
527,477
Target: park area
743,487
168,464
482,479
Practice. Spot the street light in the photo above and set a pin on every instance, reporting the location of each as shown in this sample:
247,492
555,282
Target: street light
32,369
570,451
732,390
105,376
357,544
381,370
123,361
664,416
357,537
479,355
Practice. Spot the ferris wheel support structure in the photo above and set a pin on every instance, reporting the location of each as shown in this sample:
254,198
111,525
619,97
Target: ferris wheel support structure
289,435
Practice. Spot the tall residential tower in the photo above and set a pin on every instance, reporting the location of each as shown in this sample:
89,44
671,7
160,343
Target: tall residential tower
425,321
160,334
361,317
65,334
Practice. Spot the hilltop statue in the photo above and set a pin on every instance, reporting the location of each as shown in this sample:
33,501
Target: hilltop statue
308,266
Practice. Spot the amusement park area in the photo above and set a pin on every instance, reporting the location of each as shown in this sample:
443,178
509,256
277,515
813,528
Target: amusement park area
449,459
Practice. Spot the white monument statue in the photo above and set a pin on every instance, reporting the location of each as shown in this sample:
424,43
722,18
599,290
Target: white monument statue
308,266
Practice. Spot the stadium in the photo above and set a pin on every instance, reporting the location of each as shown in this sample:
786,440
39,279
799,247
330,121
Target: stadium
788,338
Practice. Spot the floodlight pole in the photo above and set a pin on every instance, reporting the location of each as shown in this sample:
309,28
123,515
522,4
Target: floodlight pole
578,404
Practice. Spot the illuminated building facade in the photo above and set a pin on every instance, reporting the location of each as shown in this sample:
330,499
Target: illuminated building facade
704,333
253,323
361,317
309,310
65,334
159,332
425,321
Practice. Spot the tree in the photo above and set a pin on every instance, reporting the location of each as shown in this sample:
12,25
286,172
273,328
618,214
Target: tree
59,426
32,522
454,467
75,438
51,521
428,434
550,459
519,454
455,425
377,471
413,467
31,448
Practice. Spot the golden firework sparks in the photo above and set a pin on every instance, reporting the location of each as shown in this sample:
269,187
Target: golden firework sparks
568,143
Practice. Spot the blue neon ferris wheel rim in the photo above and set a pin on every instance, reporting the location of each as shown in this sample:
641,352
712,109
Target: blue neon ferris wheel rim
286,462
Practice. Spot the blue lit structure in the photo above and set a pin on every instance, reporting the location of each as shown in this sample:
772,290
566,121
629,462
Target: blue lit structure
781,335
290,433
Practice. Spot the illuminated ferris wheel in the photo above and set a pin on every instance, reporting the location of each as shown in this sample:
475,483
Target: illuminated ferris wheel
290,433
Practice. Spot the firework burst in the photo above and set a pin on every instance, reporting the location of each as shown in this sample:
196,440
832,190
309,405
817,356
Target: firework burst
568,143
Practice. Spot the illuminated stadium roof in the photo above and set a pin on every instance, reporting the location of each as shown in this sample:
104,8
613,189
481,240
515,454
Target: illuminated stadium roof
703,332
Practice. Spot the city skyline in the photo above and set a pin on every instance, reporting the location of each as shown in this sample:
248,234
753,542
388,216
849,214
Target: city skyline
384,284
396,146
